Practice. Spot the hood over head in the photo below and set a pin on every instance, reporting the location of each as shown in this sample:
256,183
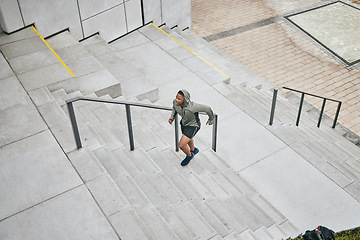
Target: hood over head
186,96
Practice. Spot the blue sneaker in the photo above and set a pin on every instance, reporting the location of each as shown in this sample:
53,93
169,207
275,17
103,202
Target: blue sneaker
187,160
196,150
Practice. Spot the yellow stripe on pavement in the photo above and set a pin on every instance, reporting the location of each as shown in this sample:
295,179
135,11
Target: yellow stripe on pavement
191,51
57,56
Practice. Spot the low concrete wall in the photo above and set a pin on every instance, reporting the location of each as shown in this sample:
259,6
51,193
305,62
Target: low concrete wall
10,16
110,18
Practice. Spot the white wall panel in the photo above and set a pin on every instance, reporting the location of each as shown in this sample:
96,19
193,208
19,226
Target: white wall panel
152,11
133,14
52,16
89,8
175,12
10,17
111,18
110,24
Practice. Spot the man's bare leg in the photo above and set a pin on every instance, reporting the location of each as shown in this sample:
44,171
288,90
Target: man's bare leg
183,145
191,145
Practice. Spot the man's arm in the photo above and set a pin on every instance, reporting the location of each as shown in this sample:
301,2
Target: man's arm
173,114
203,108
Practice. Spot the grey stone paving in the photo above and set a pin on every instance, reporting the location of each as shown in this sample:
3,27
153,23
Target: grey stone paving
331,29
290,183
29,167
71,215
242,29
19,117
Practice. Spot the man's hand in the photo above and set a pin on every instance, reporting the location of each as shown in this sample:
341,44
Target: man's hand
171,120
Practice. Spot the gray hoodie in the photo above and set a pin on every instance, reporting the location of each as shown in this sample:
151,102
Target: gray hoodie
189,112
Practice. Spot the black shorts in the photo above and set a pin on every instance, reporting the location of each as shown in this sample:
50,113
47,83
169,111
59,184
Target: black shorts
189,131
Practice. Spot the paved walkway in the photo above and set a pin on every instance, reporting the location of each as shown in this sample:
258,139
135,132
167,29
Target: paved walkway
255,34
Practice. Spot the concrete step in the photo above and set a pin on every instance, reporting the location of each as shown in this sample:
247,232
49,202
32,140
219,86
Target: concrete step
126,160
129,225
41,96
230,186
60,96
255,212
289,229
262,233
346,169
158,139
322,164
53,114
180,226
245,235
62,40
227,216
122,133
277,233
107,136
144,139
165,160
65,137
214,221
201,190
146,164
267,209
108,195
154,222
241,213
197,223
112,164
87,164
150,190
97,46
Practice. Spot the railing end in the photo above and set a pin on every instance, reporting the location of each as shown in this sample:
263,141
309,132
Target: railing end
71,100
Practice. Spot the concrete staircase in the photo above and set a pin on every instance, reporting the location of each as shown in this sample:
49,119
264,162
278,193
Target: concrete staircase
145,193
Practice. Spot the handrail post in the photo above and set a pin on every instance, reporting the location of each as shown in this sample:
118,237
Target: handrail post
74,125
321,112
273,107
336,115
176,133
129,123
214,135
300,107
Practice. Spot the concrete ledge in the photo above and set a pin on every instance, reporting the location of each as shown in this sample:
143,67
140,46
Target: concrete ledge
303,194
19,117
72,215
33,170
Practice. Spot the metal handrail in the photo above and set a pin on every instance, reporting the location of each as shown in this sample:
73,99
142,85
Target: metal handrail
301,104
129,122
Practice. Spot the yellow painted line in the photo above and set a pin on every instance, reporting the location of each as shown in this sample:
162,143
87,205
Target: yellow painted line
57,56
191,51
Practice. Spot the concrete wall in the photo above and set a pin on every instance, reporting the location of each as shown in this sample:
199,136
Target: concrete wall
110,18
10,16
